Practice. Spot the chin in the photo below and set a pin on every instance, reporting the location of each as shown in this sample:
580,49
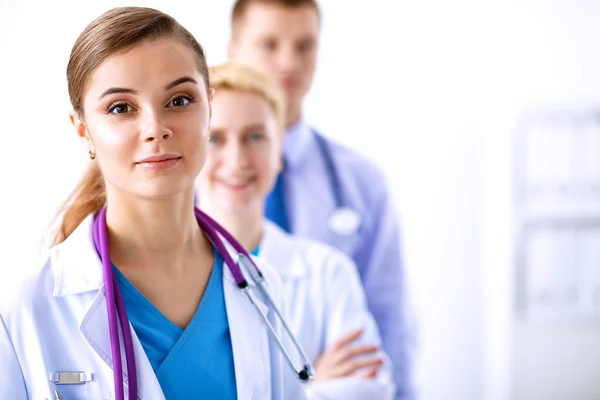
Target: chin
237,204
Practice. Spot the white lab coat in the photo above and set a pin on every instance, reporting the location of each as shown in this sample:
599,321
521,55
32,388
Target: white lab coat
324,300
56,320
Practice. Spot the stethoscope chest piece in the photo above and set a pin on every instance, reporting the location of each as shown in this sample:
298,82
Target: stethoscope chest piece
344,221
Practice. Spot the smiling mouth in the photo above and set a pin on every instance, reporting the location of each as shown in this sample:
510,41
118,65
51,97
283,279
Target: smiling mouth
237,185
288,83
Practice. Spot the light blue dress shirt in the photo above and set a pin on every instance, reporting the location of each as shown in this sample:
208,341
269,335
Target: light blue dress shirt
375,247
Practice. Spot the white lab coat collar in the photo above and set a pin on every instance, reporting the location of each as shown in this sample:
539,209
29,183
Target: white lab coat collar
78,269
234,255
76,264
279,249
248,334
246,328
94,327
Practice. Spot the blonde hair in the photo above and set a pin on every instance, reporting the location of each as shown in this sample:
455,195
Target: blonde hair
116,30
231,76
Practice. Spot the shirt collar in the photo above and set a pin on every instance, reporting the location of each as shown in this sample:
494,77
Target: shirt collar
298,142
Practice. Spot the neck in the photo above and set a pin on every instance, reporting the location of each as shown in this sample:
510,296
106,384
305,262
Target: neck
293,116
246,227
154,234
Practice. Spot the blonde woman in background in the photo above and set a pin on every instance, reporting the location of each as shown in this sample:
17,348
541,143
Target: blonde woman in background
324,299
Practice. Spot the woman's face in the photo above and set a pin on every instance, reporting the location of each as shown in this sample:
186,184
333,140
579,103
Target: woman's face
145,117
244,153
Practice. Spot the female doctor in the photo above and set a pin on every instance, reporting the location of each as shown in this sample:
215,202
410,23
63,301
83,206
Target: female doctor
324,300
131,238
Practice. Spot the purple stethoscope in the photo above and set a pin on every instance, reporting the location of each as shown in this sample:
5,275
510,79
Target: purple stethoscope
116,306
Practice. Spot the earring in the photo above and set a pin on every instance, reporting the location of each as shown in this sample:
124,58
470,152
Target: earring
92,154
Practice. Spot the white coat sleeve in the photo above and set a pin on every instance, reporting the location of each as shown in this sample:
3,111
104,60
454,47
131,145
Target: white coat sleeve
347,311
12,383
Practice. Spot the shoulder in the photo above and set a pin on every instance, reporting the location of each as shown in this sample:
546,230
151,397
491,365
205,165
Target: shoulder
315,256
62,269
362,179
29,293
327,261
357,163
313,251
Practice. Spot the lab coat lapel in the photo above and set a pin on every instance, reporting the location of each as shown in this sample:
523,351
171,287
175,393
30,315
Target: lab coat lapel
78,272
249,336
94,328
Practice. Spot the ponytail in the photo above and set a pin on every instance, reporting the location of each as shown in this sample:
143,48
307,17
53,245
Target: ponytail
87,198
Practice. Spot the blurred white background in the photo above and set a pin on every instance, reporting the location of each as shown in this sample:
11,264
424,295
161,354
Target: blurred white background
430,90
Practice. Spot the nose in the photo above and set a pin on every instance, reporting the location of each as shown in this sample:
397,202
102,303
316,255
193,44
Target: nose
289,59
236,156
153,129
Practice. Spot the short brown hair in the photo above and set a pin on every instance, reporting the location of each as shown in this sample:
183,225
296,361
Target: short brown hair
240,7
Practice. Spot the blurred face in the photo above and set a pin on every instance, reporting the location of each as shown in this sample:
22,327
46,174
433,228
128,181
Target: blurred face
146,115
244,153
281,41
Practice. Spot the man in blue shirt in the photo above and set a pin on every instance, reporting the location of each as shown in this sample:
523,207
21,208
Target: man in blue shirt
326,191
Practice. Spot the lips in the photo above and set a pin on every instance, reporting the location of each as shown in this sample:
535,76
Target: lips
159,162
237,185
159,158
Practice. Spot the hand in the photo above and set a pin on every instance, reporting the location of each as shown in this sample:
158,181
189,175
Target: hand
341,359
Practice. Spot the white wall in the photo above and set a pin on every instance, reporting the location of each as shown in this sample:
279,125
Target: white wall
555,64
432,89
413,103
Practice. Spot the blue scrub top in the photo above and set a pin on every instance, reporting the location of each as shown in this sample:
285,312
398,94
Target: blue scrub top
191,363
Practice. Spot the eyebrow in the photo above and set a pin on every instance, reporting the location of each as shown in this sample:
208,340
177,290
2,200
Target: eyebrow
171,85
114,90
179,81
245,129
258,125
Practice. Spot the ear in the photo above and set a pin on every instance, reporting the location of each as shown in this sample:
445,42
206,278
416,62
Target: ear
81,130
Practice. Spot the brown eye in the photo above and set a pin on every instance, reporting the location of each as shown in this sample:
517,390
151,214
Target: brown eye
119,108
180,101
